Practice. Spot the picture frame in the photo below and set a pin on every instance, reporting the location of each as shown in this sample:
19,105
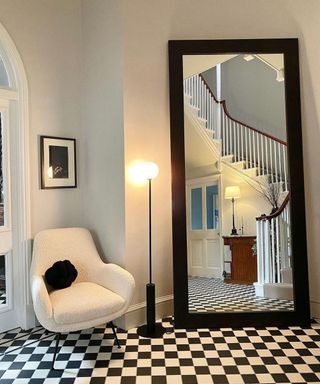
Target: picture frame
58,162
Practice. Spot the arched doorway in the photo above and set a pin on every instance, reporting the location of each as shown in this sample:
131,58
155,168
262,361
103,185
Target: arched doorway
15,238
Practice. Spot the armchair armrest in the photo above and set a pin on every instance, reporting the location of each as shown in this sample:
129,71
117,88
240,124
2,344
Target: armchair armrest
40,297
115,278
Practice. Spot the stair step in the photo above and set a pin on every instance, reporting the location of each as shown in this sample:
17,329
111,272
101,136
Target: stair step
227,158
263,178
210,132
218,141
202,120
239,165
193,109
252,172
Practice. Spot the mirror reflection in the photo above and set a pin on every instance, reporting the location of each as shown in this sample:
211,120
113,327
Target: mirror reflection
237,183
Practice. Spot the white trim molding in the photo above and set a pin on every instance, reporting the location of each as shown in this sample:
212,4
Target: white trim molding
315,309
136,313
20,175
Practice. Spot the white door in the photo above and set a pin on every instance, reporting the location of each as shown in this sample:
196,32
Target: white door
9,317
203,223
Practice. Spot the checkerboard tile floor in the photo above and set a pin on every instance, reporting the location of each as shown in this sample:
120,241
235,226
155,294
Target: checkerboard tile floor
2,296
203,356
213,295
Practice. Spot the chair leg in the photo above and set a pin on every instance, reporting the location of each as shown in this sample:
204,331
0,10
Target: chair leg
115,334
55,350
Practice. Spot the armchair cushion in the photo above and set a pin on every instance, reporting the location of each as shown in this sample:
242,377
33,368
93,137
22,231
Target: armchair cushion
83,301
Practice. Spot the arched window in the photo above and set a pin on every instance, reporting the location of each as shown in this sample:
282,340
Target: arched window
4,78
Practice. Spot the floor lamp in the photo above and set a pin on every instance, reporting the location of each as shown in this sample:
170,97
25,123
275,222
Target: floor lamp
232,193
149,171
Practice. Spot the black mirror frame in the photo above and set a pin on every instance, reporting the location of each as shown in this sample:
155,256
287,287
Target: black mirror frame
182,317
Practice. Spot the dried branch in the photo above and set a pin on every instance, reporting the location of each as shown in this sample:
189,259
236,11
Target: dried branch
271,192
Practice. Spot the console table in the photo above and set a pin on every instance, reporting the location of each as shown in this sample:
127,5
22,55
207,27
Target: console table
243,261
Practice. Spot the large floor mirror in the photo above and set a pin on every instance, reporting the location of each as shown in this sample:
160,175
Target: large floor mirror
237,182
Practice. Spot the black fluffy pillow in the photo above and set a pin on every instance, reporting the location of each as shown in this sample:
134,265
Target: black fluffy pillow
61,275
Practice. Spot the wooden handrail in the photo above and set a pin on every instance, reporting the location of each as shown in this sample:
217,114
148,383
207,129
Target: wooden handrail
277,213
224,106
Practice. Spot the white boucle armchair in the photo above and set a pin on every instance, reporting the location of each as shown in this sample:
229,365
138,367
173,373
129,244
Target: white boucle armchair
101,292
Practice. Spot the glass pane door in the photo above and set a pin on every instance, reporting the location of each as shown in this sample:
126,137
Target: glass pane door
196,208
212,202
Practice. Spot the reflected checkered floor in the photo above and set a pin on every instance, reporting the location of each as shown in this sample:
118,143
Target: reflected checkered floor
213,295
2,296
248,355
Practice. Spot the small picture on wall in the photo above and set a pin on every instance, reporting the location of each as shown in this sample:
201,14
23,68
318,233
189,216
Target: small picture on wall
58,162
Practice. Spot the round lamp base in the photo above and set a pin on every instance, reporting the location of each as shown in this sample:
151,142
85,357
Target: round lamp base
159,331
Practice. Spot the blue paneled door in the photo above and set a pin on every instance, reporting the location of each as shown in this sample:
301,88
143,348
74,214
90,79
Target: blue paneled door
203,223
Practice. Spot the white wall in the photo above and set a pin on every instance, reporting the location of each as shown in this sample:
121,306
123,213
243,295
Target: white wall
148,25
48,37
102,119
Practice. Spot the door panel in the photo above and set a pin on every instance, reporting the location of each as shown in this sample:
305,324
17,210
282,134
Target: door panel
204,257
196,253
213,260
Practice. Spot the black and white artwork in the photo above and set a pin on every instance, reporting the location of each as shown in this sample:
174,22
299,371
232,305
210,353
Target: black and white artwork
58,162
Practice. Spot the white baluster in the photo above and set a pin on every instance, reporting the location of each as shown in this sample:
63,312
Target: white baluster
273,256
227,131
278,245
203,101
262,155
234,140
224,130
241,140
209,109
267,251
230,136
280,166
285,167
271,160
250,150
219,120
260,252
198,95
238,141
275,160
246,142
258,154
267,156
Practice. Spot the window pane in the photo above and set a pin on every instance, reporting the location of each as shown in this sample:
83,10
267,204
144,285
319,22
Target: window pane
1,177
2,280
4,80
196,208
212,207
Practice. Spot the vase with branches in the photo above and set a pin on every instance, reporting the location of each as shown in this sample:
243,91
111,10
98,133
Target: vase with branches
271,192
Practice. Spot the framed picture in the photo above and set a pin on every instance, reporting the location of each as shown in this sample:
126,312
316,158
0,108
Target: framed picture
58,162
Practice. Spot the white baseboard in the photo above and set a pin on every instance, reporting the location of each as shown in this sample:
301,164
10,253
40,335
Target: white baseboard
315,309
136,313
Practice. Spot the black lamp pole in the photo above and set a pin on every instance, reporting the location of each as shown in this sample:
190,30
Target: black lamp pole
151,329
234,229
